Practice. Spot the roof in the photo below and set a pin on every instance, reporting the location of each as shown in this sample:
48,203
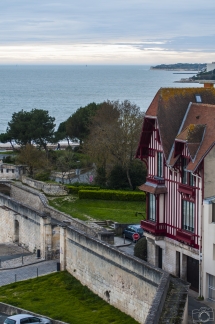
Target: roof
153,189
201,135
180,118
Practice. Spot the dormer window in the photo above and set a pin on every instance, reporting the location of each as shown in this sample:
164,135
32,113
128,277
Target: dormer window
198,98
187,177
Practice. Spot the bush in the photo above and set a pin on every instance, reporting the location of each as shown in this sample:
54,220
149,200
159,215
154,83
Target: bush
75,189
8,159
112,195
140,249
42,176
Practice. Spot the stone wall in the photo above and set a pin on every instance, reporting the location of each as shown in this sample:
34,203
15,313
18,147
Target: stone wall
124,281
51,189
21,224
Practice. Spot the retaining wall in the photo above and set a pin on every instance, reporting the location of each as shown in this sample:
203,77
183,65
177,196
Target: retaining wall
48,188
124,281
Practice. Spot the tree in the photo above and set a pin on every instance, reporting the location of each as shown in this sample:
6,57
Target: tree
65,163
33,158
61,133
114,136
31,127
77,126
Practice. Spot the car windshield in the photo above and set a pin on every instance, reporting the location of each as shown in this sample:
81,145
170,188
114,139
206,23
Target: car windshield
9,321
140,230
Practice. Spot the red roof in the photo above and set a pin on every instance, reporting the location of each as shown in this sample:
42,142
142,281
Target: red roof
175,110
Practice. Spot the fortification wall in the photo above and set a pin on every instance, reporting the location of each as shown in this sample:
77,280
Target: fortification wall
124,281
48,188
20,224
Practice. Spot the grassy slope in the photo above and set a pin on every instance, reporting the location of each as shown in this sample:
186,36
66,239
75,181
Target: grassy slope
61,296
84,209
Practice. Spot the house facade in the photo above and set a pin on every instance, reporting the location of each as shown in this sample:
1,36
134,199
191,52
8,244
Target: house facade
177,146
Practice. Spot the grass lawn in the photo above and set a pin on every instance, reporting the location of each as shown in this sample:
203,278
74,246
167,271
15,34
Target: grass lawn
86,209
62,297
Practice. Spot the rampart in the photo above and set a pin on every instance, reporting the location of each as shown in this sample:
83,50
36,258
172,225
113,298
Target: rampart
124,281
48,188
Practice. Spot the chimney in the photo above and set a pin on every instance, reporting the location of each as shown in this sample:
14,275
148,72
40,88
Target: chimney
207,83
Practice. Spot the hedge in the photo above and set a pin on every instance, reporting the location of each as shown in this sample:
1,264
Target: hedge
112,195
75,189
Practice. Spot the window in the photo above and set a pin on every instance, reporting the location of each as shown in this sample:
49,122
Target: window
160,164
187,177
151,208
198,98
1,170
188,215
211,287
213,213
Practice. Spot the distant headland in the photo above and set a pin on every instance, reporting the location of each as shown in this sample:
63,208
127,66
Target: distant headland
180,67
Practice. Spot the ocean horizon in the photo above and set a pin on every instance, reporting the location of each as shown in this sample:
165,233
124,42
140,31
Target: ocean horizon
62,89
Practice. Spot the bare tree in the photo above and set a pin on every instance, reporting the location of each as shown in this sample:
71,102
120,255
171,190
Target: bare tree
114,135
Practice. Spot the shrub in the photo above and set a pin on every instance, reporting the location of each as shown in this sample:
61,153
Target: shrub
42,176
112,195
140,249
75,189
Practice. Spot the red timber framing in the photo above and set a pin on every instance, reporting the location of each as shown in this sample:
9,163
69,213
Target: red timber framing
170,219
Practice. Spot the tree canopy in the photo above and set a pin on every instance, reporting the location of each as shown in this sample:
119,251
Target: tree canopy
77,126
114,136
35,126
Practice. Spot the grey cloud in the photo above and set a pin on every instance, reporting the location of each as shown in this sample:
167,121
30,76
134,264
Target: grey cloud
120,21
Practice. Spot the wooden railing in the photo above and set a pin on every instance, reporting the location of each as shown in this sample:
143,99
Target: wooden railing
156,229
185,237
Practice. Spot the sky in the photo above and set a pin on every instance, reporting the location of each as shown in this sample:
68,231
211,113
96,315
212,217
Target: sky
106,31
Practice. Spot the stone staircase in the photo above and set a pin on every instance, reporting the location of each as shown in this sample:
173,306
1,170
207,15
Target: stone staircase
103,225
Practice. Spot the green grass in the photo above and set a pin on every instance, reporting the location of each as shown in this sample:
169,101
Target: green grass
62,297
85,209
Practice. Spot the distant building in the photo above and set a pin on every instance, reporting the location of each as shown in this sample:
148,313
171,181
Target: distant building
11,172
210,66
177,144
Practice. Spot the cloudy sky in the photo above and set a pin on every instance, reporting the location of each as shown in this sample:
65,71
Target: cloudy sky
106,31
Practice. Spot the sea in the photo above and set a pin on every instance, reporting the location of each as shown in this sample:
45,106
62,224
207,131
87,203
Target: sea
62,89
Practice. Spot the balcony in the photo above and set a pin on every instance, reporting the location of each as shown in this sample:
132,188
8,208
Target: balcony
156,229
185,189
185,237
156,180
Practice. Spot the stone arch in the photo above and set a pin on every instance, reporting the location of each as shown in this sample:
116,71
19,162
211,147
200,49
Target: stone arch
16,231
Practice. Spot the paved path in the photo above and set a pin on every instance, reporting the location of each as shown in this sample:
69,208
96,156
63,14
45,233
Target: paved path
27,272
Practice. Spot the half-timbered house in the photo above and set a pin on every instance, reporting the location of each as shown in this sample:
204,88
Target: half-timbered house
177,144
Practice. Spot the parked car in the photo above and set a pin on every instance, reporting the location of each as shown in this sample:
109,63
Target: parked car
26,318
133,229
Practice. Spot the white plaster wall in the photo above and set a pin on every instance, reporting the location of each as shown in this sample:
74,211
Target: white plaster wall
208,261
209,174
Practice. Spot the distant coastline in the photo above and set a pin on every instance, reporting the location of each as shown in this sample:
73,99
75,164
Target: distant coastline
196,67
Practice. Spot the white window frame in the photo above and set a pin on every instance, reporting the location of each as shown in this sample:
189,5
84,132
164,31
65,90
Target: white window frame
152,208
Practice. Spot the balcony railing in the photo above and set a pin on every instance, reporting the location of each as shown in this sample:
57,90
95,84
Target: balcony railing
186,237
155,180
156,229
188,190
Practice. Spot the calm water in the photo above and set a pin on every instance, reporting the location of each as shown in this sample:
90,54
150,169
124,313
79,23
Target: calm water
63,89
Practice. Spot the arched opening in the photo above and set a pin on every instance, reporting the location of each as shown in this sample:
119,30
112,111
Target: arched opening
16,231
